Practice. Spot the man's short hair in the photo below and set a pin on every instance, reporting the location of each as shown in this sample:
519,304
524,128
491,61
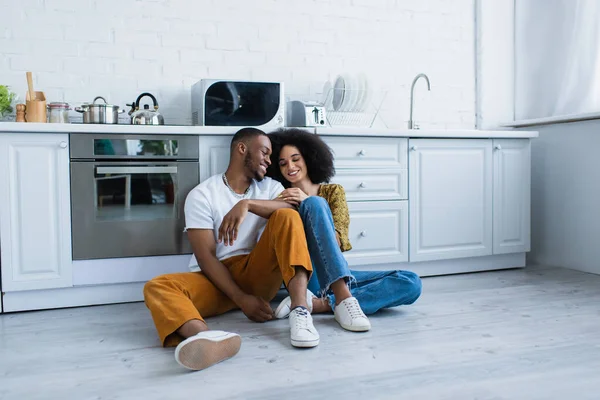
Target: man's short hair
243,135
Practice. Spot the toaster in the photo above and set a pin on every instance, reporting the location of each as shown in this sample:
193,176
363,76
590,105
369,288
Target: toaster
299,113
238,103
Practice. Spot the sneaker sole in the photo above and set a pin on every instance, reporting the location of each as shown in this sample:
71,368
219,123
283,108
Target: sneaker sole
305,343
353,328
202,353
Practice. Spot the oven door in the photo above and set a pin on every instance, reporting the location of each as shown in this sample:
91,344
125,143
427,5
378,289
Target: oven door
129,209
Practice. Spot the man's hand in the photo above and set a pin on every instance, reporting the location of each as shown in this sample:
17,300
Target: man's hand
293,196
256,308
228,230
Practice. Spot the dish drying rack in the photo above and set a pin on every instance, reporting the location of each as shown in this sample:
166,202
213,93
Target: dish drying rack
352,107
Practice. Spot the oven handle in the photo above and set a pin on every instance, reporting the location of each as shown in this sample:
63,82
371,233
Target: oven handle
136,170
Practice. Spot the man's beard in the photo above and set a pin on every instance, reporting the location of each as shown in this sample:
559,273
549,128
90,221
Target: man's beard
250,167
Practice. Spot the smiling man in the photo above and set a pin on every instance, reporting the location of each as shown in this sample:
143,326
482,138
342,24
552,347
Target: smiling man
245,243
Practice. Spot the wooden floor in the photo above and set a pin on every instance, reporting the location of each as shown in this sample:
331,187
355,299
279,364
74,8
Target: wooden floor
520,334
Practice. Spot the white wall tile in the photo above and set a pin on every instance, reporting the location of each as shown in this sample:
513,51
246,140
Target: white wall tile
78,49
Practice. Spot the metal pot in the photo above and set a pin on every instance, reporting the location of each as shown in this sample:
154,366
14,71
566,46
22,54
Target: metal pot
99,113
146,116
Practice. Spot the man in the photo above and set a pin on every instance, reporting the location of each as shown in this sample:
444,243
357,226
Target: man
245,243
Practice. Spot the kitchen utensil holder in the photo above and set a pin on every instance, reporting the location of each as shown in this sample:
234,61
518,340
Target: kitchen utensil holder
360,114
35,109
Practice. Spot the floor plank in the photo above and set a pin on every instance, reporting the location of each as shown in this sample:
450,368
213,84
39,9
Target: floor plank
519,334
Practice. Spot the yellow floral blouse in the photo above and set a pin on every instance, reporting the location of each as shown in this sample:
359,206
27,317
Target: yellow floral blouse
335,195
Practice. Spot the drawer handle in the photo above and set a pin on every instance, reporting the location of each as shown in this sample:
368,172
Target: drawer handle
363,234
362,153
362,185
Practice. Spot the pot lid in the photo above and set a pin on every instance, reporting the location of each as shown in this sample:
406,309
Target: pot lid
93,104
58,104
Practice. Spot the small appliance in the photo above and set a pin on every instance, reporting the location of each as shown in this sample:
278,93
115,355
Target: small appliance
304,114
238,103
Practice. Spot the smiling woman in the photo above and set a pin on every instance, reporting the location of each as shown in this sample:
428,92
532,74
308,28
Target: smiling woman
304,164
313,150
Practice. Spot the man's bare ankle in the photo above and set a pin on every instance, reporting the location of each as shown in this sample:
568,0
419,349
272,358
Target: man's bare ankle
192,327
320,305
298,304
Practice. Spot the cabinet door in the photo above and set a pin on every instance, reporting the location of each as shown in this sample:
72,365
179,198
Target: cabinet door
35,215
450,198
214,155
512,195
378,232
368,152
373,184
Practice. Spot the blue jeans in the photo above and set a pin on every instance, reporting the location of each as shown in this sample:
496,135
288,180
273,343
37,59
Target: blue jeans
374,290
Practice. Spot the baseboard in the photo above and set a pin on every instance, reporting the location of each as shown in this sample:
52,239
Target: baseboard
456,265
73,297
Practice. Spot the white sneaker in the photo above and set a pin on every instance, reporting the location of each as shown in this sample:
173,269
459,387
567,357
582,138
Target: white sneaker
302,330
207,348
283,309
350,316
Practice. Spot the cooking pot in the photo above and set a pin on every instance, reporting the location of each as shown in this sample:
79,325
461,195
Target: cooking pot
99,113
146,116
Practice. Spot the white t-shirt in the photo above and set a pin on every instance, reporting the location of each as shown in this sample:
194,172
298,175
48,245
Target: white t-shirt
211,200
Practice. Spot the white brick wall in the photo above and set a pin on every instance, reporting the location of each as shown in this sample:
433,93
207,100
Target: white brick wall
79,49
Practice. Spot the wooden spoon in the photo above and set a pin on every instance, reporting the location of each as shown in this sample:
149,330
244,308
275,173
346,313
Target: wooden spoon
30,85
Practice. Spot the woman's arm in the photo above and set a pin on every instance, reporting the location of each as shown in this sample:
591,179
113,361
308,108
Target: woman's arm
341,216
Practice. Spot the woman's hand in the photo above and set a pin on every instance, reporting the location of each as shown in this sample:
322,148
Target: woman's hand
293,196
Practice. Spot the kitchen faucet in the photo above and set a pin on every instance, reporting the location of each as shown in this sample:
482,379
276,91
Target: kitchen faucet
412,125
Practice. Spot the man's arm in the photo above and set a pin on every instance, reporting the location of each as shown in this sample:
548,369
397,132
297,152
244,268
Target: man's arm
230,225
204,247
264,208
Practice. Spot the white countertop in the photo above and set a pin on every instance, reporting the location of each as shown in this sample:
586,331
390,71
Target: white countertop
23,127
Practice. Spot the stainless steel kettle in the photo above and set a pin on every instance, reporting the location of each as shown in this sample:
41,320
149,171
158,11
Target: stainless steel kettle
146,116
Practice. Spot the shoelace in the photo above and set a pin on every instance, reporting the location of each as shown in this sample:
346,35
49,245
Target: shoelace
301,318
354,310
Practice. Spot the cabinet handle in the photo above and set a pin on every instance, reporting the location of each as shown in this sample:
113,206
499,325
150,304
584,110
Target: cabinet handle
63,145
413,148
497,147
363,234
362,153
362,185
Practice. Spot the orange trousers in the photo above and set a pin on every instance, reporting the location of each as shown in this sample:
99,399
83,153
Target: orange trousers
174,299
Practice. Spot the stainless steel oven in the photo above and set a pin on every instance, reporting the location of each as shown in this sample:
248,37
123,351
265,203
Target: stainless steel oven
128,193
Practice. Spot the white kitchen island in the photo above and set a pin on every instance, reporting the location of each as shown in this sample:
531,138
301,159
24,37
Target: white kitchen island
432,201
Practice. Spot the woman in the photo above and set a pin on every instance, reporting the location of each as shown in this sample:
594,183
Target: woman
303,163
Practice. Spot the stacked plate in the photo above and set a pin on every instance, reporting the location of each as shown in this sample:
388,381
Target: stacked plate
348,93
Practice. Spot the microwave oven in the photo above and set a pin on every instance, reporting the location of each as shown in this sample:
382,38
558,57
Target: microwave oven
238,103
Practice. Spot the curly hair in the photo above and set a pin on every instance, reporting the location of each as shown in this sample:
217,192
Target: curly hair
317,155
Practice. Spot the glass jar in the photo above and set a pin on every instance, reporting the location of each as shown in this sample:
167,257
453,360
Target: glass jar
59,113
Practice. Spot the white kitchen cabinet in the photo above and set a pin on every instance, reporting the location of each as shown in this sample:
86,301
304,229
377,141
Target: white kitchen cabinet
214,155
35,216
512,195
373,184
450,198
378,233
368,152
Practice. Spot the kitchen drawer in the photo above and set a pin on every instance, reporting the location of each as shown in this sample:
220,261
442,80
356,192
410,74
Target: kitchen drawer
373,184
378,233
359,152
